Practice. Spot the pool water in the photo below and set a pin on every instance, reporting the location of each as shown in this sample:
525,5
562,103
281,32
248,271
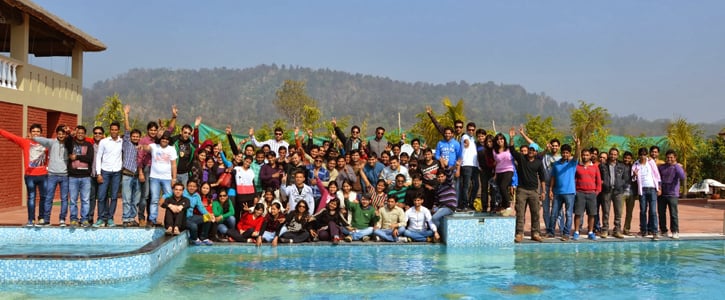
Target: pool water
672,269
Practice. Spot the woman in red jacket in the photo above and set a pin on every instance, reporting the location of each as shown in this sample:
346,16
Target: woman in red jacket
249,226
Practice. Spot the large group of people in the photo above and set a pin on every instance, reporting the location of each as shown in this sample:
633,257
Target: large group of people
347,189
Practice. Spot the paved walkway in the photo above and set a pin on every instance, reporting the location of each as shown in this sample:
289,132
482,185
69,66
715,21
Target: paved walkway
697,217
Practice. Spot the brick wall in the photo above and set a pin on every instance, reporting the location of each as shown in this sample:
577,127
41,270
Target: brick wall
11,166
40,116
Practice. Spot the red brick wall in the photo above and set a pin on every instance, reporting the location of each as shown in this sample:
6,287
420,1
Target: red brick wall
40,116
11,167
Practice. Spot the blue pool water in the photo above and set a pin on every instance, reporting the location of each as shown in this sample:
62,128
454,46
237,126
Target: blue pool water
672,269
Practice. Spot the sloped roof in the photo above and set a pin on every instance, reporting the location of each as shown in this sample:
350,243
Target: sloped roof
87,42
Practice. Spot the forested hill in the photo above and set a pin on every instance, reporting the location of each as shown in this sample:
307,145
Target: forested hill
244,98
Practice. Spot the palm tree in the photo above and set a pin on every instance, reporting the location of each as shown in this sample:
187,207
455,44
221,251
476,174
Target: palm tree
428,131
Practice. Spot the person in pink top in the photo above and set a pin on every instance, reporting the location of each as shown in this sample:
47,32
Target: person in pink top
504,170
35,160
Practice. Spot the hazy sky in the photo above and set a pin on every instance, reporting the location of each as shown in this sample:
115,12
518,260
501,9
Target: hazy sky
656,59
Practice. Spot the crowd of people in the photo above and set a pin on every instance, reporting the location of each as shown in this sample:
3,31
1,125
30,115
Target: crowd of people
348,188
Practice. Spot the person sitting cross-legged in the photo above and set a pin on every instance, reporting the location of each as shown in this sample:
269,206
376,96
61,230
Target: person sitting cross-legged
363,220
392,222
420,222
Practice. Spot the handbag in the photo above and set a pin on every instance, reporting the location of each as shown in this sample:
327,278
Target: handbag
225,180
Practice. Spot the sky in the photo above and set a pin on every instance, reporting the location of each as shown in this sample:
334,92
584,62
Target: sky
654,59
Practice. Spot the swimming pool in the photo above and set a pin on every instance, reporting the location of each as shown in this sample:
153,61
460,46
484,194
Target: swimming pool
672,269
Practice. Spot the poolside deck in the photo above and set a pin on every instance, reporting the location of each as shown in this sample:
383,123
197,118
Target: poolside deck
699,218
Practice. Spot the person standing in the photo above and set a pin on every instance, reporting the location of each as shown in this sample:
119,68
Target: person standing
588,183
35,164
109,163
562,189
274,144
613,183
57,173
647,176
378,144
80,163
530,192
673,176
469,169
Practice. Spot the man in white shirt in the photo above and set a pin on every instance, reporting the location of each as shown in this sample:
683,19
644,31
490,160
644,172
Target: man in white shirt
274,144
108,167
469,182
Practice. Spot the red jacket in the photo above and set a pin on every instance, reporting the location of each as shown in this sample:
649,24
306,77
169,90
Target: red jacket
248,222
35,156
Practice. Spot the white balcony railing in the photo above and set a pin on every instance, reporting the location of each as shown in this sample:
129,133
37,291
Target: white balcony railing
8,73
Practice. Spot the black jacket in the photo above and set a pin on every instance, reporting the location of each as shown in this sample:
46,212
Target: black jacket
620,178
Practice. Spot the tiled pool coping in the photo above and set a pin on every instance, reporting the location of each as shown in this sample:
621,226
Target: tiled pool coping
154,251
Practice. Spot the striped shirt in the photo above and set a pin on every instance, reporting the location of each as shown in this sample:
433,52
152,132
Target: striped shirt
588,179
131,159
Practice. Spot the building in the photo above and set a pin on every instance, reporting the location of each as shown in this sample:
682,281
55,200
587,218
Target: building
31,94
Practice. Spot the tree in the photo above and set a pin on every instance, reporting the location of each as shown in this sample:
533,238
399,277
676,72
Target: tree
111,111
311,117
712,157
293,102
541,130
685,138
588,122
636,142
425,128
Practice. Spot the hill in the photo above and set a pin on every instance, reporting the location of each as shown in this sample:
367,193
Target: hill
244,98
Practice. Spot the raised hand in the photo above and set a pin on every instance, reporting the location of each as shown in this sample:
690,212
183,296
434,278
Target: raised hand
334,122
174,111
197,121
228,130
428,109
251,131
309,132
126,109
512,132
297,130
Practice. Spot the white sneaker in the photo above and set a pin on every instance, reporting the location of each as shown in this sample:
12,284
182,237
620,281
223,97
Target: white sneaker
62,223
676,235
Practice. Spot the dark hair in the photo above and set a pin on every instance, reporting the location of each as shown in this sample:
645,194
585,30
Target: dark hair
373,155
566,147
259,206
505,144
613,149
416,175
653,147
404,154
642,151
594,149
400,175
331,183
447,128
383,181
415,140
81,127
258,152
426,150
393,157
456,122
152,124
354,151
247,146
276,129
627,153
36,125
271,153
555,140
480,131
380,128
471,124
99,128
282,147
136,131
277,205
178,184
115,123
355,127
60,128
187,126
192,181
671,152
249,157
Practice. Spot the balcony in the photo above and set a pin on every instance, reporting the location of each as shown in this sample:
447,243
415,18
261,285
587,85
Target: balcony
34,84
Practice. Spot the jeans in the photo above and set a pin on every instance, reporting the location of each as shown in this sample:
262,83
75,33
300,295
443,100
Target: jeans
648,219
33,183
550,217
107,204
145,192
193,223
663,202
157,185
183,178
439,214
53,181
131,193
418,236
80,187
469,186
224,226
387,234
358,233
559,202
93,199
268,236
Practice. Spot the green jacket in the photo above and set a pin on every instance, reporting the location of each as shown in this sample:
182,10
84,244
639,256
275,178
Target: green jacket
361,217
218,210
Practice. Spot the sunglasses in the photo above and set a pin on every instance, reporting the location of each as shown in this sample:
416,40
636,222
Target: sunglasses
277,133
459,127
223,195
98,133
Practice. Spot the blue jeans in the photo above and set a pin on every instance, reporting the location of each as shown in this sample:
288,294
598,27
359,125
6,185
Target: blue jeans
224,226
550,218
268,236
107,205
469,180
559,202
387,234
93,200
439,214
183,178
33,183
145,192
357,234
53,181
648,219
418,236
80,187
157,185
193,223
131,195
